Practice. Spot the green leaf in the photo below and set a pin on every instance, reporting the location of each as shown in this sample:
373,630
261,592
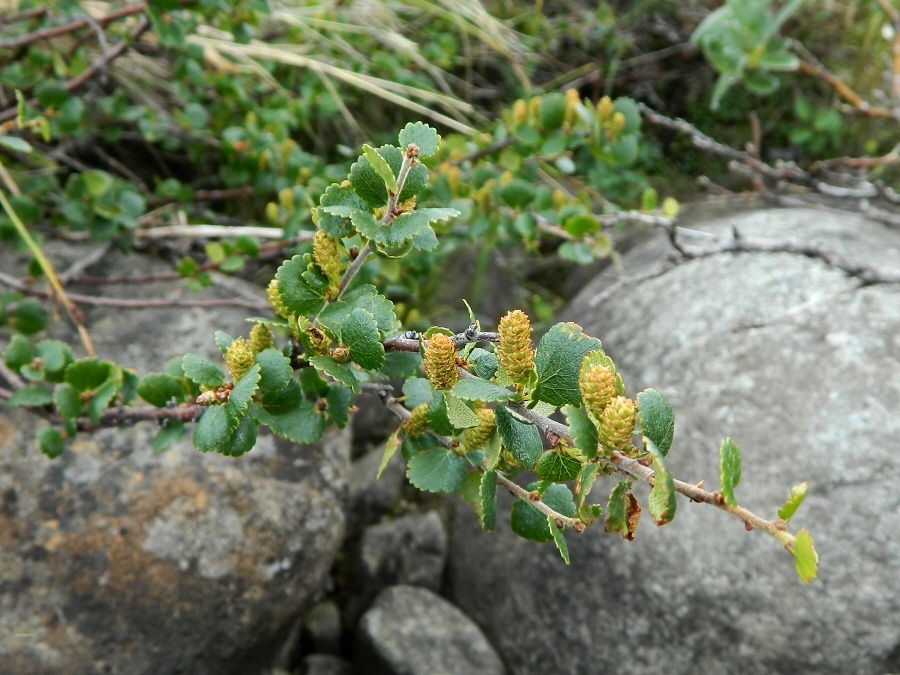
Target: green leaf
56,356
730,462
91,373
760,82
461,416
558,360
576,251
522,440
241,439
488,495
200,370
28,317
805,557
798,494
359,332
529,523
553,111
518,193
657,419
15,144
212,429
18,352
298,295
336,205
96,182
51,442
417,391
400,365
67,400
662,497
33,396
167,436
437,470
483,363
369,185
492,451
362,297
376,161
558,467
390,449
103,397
223,341
304,424
558,539
423,136
439,415
426,240
158,389
274,369
240,396
342,372
584,433
339,400
585,483
476,389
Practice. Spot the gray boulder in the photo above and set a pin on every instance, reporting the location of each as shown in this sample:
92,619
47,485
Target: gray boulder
115,559
412,631
800,364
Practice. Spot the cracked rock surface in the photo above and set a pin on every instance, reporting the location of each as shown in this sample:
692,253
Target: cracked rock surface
800,364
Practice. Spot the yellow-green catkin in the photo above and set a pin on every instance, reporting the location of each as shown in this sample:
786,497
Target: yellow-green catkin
616,124
325,252
239,358
478,437
573,101
440,362
520,113
515,351
273,294
417,424
617,424
534,111
605,108
261,338
598,387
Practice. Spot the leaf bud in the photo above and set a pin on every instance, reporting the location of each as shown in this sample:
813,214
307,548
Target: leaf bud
616,124
417,425
598,387
239,358
617,423
272,213
478,437
286,198
341,353
261,338
515,351
440,362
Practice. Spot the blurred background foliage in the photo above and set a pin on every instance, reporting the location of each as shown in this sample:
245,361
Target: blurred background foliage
121,119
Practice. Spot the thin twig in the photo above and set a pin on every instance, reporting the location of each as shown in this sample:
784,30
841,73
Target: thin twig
47,33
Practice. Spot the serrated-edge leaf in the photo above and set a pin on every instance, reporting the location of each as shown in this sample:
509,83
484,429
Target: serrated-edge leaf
167,436
426,240
359,332
585,483
522,440
223,341
33,396
68,401
367,183
806,559
657,419
200,370
103,396
730,464
798,494
390,449
558,539
365,297
529,523
275,369
380,166
299,297
437,470
304,424
558,362
476,389
487,493
240,396
461,416
51,442
158,389
242,439
584,432
492,451
427,139
212,429
558,467
341,372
